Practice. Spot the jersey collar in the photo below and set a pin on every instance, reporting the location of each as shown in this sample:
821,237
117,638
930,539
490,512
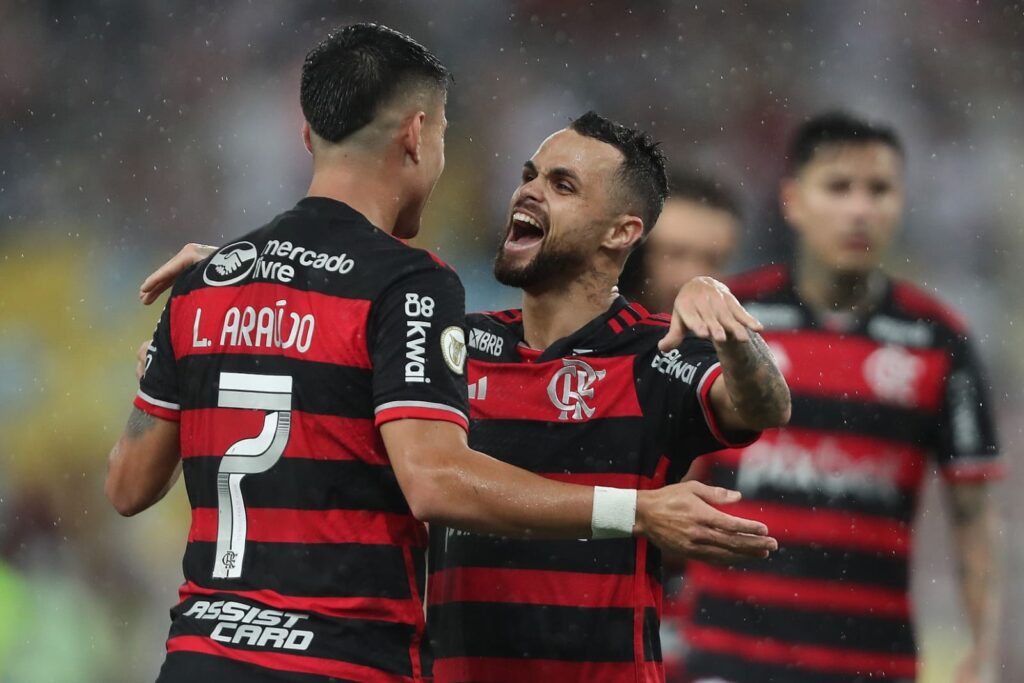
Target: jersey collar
591,338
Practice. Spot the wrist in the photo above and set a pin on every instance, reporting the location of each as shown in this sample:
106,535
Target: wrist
613,514
643,504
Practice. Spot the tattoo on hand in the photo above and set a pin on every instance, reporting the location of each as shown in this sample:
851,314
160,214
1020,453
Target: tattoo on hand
139,422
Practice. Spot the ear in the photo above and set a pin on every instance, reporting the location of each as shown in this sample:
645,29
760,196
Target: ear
789,200
627,231
412,135
306,137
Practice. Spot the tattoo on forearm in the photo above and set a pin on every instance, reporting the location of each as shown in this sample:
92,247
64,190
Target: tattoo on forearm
755,385
139,422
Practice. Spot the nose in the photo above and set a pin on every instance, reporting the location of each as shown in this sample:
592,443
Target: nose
860,204
532,190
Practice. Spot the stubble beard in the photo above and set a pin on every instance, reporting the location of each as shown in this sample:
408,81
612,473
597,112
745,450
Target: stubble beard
548,268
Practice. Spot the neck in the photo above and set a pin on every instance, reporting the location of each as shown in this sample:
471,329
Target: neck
360,183
826,289
560,310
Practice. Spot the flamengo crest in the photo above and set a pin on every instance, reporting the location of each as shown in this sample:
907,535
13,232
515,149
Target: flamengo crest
570,388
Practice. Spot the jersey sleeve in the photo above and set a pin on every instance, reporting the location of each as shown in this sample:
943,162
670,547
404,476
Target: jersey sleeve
418,349
967,448
688,373
158,388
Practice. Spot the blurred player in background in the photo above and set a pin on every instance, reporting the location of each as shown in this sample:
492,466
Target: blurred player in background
885,384
309,379
582,386
697,234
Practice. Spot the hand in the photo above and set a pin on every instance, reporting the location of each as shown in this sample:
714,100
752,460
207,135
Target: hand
680,520
164,276
140,359
707,308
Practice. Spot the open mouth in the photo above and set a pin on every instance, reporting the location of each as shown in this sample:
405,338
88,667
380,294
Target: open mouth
524,232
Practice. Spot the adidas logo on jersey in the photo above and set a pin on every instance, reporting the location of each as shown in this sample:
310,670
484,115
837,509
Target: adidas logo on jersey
478,389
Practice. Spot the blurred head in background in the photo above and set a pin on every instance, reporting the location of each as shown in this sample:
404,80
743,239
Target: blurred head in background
587,197
374,104
843,193
697,234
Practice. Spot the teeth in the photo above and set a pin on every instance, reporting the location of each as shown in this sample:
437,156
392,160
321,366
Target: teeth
518,216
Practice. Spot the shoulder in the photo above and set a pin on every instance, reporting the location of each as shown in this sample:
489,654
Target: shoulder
493,335
759,283
636,330
912,301
403,265
511,316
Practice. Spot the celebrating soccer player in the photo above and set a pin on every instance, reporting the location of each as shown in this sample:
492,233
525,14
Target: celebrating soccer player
309,377
575,386
885,382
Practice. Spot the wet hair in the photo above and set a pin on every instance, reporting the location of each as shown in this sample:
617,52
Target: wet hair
836,128
642,173
704,190
353,71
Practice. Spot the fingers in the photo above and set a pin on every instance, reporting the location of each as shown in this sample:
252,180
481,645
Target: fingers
734,525
743,544
726,321
674,336
164,276
704,307
710,311
716,495
745,318
715,555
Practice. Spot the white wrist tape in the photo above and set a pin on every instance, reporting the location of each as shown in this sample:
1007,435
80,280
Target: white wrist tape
614,512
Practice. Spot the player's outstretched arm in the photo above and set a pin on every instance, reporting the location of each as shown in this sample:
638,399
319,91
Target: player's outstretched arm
976,539
144,463
448,483
751,393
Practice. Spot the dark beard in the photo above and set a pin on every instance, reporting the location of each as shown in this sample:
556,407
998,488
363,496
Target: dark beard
547,267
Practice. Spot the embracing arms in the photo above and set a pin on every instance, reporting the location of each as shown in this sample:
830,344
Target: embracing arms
751,393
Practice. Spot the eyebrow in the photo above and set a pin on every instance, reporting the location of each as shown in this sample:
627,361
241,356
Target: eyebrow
560,171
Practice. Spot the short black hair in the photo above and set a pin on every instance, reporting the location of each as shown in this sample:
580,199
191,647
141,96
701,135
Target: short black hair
354,70
643,166
703,189
836,128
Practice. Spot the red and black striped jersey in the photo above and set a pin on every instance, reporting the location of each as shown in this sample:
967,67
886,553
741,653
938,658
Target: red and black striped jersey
281,355
876,403
600,407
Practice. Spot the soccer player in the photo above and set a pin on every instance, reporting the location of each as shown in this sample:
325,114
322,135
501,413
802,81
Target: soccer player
575,386
603,393
697,234
309,378
885,384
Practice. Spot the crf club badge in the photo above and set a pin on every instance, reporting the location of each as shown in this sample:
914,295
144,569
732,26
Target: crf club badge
893,373
571,387
231,264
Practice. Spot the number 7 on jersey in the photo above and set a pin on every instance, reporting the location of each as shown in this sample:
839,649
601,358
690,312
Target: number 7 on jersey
271,393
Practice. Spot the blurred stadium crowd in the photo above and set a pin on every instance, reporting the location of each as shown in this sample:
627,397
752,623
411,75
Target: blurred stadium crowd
129,128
